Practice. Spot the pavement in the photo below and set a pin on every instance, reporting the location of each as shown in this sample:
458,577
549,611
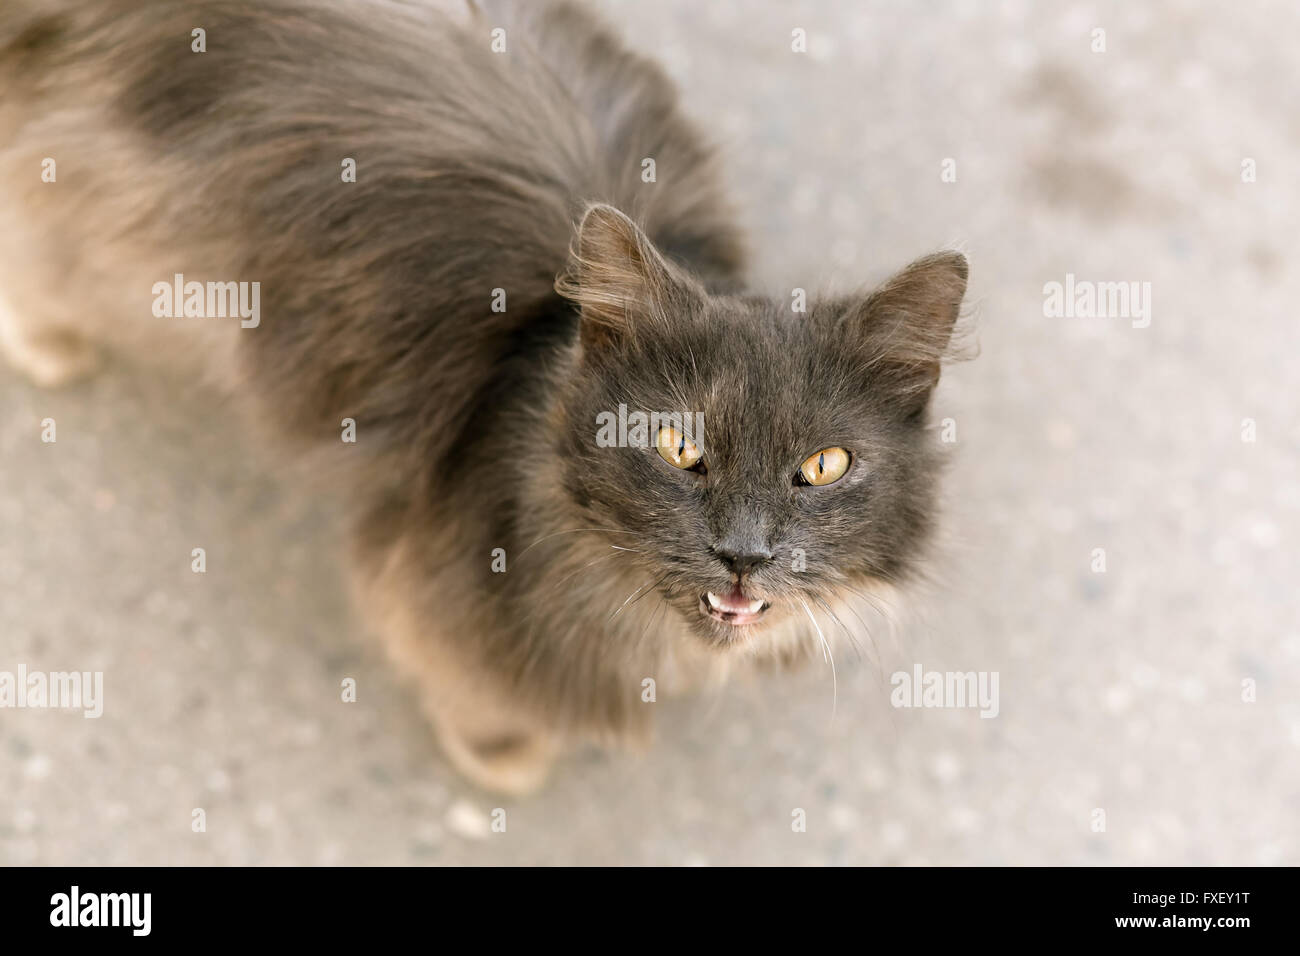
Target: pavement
1120,545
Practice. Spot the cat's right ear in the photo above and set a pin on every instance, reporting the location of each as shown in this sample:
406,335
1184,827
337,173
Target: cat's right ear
904,329
618,279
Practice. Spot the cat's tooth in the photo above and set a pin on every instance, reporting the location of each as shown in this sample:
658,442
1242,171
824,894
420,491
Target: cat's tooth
714,600
755,606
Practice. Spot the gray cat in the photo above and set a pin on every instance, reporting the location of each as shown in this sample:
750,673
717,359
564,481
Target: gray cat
585,458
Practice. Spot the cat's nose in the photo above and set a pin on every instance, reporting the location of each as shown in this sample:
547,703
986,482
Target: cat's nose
741,560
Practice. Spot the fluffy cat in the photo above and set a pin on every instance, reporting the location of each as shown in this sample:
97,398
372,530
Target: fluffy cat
494,282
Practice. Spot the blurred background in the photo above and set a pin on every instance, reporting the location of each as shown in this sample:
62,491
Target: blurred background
1120,690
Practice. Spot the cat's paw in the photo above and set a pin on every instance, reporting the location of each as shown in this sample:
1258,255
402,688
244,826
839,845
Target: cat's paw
48,357
516,764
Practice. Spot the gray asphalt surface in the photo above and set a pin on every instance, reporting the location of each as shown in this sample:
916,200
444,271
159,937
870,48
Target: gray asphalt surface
1119,691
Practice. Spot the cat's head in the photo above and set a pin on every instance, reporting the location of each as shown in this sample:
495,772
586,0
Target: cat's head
757,460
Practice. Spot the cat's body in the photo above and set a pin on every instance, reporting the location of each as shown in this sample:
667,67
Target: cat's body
476,426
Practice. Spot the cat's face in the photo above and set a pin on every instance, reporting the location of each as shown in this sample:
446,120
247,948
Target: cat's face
758,461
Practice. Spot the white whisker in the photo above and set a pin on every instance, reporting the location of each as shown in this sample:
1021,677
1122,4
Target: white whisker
547,537
826,656
633,598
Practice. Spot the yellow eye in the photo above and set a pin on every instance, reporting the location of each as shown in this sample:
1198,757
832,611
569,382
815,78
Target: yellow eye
676,449
825,467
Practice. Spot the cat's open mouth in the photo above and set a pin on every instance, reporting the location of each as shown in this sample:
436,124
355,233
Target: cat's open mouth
733,608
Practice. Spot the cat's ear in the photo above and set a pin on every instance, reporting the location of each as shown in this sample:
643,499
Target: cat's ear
618,279
904,329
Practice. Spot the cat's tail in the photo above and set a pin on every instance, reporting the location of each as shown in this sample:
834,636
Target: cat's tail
26,28
29,30
29,27
38,35
655,165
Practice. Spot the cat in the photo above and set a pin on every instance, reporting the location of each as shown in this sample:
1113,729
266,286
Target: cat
443,212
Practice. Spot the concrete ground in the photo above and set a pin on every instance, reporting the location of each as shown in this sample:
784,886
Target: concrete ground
1120,691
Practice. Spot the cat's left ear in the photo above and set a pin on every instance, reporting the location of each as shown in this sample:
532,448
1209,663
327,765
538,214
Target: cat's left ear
621,282
903,330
